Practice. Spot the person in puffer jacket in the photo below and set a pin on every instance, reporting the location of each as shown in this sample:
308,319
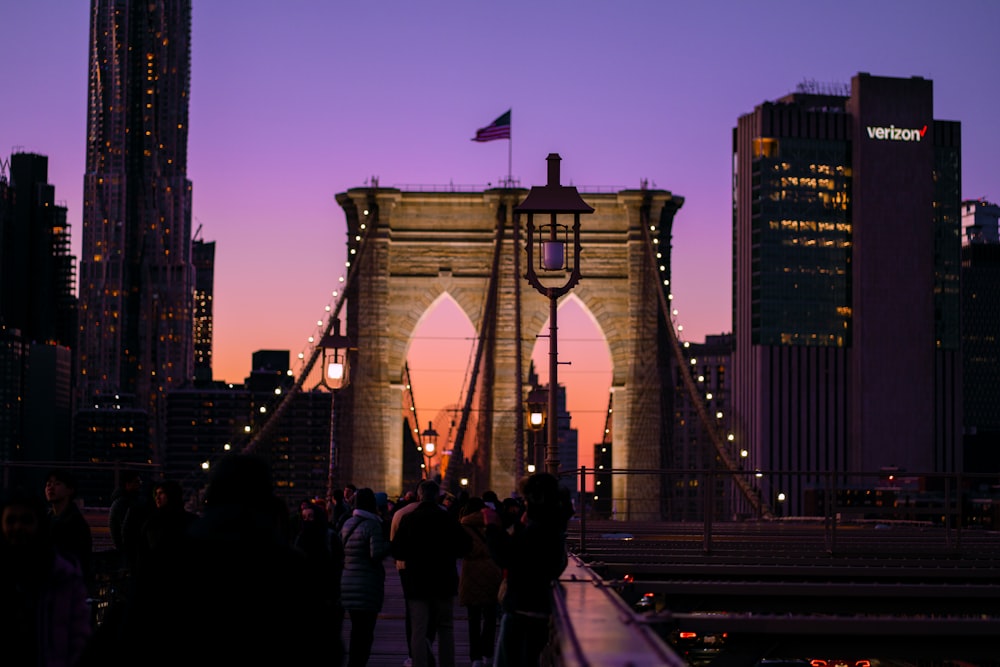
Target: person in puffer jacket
362,584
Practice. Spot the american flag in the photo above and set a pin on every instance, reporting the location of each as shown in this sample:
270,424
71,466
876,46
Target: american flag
498,129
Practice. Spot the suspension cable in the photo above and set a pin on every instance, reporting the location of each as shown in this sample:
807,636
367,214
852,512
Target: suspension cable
713,432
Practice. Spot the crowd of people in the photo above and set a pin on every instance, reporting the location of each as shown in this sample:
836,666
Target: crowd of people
244,578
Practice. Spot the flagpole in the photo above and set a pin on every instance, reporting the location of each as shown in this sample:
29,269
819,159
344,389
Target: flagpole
510,154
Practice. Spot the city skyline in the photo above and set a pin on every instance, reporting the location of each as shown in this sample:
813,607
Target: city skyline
291,105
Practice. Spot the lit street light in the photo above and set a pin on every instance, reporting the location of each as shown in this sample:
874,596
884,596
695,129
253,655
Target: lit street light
553,199
537,404
429,448
334,376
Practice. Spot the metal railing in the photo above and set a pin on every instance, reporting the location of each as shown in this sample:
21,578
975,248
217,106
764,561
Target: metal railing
951,503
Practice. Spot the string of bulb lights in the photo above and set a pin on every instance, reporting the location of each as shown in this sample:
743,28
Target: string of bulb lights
700,398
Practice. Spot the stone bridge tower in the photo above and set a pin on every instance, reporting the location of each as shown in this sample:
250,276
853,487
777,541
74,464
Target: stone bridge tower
418,245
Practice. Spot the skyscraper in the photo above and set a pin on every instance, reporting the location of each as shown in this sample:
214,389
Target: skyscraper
981,335
845,283
136,272
203,257
37,316
36,267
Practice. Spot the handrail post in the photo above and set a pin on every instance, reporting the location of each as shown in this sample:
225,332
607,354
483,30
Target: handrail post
583,509
827,518
959,508
709,491
947,510
830,507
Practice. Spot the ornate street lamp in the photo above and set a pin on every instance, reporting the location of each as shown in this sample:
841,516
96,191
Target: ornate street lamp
537,404
334,376
553,200
428,447
335,346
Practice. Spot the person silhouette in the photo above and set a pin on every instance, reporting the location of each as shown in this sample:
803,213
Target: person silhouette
430,541
234,591
362,584
69,529
45,618
479,585
319,542
533,555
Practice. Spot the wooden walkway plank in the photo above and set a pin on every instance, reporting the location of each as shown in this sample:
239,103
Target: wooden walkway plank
389,648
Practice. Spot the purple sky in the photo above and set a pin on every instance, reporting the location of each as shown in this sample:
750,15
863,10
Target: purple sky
293,102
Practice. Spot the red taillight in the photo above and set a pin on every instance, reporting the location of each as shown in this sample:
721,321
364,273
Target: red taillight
863,663
818,663
688,635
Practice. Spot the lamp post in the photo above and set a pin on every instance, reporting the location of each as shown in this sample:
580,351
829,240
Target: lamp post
334,377
428,447
553,199
537,404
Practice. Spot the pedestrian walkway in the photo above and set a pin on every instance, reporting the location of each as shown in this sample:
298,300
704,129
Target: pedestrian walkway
389,648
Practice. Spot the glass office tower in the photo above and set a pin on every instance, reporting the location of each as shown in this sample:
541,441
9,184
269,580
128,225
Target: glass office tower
846,238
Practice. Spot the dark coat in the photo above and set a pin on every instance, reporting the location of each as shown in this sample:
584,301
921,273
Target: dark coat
163,534
121,501
43,604
72,539
430,541
325,555
235,592
534,556
362,584
480,579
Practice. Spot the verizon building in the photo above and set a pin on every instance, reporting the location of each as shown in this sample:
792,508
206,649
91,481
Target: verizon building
846,261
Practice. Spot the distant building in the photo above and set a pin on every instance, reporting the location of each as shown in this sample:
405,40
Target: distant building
979,222
136,271
567,448
205,423
109,436
13,362
569,454
203,257
846,284
981,335
298,448
693,449
36,267
37,316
